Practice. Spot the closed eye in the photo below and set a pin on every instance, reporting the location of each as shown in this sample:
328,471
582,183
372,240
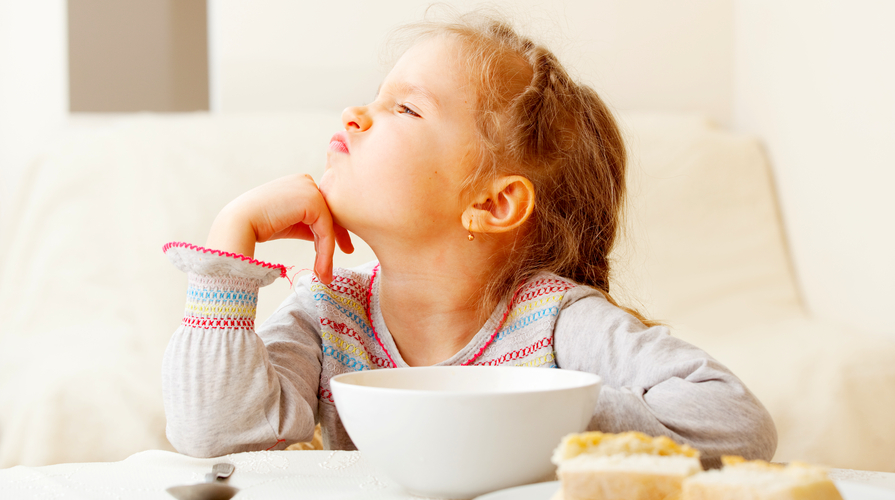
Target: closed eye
402,108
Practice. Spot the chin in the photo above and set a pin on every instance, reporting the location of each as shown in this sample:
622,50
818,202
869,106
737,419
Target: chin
343,216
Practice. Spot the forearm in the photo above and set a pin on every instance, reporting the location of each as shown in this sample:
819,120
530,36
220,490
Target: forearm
716,416
223,391
223,395
658,384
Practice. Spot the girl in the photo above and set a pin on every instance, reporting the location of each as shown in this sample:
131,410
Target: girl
489,186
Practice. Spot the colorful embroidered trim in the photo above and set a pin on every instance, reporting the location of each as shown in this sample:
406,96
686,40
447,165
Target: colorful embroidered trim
326,394
180,244
496,330
524,293
348,302
347,349
527,320
344,358
215,303
218,323
520,353
370,317
361,321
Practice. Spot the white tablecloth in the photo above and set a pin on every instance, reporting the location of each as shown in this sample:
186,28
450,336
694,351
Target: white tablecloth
265,475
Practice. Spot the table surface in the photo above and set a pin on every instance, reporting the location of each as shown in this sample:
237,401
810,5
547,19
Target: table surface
343,475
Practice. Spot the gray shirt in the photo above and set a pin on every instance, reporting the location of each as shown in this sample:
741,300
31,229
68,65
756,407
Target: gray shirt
228,388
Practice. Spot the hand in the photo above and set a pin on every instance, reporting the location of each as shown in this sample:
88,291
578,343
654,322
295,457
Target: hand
289,207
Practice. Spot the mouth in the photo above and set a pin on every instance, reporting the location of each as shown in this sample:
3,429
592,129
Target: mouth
339,143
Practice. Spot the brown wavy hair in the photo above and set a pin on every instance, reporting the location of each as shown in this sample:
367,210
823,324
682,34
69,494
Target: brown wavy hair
534,120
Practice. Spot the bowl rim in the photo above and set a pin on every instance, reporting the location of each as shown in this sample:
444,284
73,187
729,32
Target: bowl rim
595,380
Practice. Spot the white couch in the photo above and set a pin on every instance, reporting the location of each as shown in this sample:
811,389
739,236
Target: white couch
88,301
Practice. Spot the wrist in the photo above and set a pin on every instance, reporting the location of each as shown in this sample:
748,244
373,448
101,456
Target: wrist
232,232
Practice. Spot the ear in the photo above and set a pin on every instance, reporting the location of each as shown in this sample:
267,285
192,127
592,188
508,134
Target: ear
505,206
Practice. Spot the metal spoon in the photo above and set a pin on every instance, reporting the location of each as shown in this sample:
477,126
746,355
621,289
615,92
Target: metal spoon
214,487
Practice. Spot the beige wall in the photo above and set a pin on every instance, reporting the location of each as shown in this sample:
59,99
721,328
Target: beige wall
815,80
282,55
33,83
138,55
812,79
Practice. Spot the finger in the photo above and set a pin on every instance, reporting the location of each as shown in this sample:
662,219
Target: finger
299,231
343,238
325,246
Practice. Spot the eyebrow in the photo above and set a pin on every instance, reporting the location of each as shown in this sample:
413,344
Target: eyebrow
404,88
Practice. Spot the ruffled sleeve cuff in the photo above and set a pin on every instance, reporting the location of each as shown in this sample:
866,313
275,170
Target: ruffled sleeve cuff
223,286
193,259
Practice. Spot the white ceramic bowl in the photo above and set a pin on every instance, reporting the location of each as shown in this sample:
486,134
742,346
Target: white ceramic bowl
458,432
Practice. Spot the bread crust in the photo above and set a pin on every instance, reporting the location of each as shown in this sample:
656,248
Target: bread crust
619,485
822,490
796,481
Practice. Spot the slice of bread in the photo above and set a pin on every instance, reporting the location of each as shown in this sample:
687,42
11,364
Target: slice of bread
626,466
740,479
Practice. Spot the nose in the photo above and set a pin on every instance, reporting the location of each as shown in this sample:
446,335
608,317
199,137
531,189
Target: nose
357,118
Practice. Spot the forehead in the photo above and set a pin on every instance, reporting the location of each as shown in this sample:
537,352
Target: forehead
432,69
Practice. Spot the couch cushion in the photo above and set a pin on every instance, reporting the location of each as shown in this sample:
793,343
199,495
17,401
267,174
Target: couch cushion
703,229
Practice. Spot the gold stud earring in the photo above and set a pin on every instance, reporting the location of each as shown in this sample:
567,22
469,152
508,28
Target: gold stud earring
471,236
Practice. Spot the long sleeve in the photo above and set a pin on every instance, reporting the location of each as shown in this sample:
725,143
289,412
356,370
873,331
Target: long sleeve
227,388
658,384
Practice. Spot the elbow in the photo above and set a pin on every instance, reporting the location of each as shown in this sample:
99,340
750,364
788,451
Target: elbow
765,437
756,435
192,445
745,428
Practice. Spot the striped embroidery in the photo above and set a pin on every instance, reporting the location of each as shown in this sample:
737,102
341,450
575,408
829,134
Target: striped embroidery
349,342
347,347
324,393
215,303
521,353
532,298
239,310
543,287
217,323
347,286
546,360
351,349
345,358
531,318
355,318
350,303
520,310
345,339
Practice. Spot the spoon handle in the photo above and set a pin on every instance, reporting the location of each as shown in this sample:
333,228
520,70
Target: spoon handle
220,472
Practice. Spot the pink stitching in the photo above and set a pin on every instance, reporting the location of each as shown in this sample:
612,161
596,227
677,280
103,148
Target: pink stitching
250,260
218,323
520,353
496,330
326,394
370,317
346,290
342,328
531,294
275,444
465,363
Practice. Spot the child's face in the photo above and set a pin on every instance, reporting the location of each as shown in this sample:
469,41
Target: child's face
407,152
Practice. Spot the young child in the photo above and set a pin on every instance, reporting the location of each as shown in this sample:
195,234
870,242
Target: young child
489,186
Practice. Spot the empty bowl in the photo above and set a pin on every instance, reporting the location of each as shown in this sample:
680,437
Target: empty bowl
461,431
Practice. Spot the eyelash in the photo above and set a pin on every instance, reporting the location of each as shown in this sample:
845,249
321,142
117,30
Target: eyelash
404,108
